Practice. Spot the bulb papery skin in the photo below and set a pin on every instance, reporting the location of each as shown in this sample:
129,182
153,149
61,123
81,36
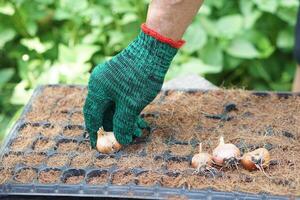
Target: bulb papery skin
247,162
225,152
104,145
201,159
259,158
107,143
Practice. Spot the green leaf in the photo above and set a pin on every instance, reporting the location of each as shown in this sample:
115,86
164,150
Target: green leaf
280,86
212,55
267,5
261,42
250,19
230,25
31,27
288,14
231,63
258,71
242,48
289,3
6,34
197,66
195,38
7,9
115,37
285,39
209,26
6,74
217,4
20,94
246,7
128,18
36,44
74,6
78,54
61,14
205,10
121,6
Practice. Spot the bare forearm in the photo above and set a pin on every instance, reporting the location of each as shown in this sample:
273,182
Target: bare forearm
296,86
171,18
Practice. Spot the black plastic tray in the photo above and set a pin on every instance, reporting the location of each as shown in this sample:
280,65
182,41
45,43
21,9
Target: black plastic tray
109,190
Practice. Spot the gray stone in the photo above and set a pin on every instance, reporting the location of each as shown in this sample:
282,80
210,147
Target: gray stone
189,82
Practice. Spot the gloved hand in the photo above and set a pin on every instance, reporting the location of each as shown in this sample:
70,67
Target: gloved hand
119,89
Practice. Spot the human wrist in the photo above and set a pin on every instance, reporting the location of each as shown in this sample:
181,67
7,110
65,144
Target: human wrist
162,38
171,18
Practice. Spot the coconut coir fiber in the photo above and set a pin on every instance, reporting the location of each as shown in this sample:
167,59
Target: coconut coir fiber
49,176
179,122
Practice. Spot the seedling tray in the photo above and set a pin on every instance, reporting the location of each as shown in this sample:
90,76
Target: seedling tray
47,151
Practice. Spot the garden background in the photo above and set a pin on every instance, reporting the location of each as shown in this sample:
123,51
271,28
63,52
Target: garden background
240,43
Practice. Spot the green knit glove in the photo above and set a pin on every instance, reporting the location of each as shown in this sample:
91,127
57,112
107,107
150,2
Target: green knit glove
121,88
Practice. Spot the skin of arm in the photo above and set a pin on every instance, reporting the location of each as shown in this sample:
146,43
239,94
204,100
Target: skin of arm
296,85
171,18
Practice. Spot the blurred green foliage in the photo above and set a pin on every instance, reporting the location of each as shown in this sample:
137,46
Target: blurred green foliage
247,43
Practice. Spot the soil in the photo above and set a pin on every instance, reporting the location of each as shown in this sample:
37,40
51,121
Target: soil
77,118
252,121
6,175
179,121
67,147
148,178
35,130
181,150
105,162
35,116
178,165
140,162
122,177
34,159
84,147
58,160
51,131
71,101
157,146
12,159
82,160
74,180
43,144
59,118
30,131
49,176
25,175
98,179
173,180
131,162
73,132
21,144
134,149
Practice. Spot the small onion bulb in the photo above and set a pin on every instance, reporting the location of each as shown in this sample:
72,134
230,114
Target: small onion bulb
257,159
106,142
225,154
202,159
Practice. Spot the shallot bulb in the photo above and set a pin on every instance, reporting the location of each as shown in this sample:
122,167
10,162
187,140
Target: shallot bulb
202,159
106,142
226,154
257,159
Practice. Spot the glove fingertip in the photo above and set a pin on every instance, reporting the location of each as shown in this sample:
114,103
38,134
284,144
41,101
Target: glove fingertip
123,139
93,140
138,132
142,123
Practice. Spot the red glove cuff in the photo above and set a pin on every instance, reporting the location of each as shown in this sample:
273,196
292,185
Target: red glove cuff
161,38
